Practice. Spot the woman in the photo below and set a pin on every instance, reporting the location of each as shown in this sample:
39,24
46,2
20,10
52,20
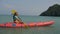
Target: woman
16,19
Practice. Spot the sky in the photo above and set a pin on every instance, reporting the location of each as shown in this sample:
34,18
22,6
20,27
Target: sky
26,7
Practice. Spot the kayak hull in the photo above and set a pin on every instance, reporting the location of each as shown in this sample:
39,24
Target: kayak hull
31,24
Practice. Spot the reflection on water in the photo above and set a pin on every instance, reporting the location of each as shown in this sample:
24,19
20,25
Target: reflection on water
32,30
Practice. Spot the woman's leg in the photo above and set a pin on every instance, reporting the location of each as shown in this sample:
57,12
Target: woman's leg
18,22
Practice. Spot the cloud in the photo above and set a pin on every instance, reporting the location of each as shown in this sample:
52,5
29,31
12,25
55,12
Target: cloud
8,6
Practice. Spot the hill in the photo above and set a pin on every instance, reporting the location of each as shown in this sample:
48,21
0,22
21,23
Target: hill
52,11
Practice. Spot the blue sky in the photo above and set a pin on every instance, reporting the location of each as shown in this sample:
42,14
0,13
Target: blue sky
26,7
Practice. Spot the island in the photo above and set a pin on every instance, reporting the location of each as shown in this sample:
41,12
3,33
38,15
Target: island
52,11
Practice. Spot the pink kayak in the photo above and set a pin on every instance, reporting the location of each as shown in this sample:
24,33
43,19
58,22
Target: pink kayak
31,24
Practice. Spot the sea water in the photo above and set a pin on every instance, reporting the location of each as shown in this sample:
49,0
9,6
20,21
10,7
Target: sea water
53,29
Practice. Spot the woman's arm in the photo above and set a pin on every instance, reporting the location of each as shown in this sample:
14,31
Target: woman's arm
18,19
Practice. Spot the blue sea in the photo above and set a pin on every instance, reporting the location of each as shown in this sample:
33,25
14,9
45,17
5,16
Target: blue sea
53,29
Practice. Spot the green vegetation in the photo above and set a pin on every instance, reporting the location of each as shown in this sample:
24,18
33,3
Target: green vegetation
52,11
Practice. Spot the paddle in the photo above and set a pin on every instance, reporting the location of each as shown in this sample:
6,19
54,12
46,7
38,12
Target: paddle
26,26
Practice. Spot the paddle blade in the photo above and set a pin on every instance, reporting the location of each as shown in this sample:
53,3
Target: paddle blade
26,26
13,11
